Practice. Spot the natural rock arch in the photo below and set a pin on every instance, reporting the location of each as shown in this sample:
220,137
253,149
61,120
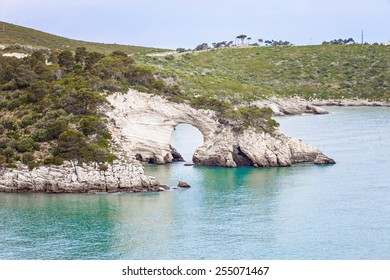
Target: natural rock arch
142,125
186,138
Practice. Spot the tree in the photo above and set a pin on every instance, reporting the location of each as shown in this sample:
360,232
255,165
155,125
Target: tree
82,102
110,67
66,60
119,54
180,50
24,76
81,54
260,41
92,58
70,144
56,128
37,56
91,125
37,91
202,47
241,37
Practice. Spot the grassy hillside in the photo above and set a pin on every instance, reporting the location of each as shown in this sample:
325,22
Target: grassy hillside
245,74
14,34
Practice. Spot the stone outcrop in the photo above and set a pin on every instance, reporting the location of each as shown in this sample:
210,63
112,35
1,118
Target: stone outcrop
72,178
290,106
297,106
143,124
183,184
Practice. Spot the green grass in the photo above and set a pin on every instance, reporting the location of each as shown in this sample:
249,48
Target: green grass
14,34
310,72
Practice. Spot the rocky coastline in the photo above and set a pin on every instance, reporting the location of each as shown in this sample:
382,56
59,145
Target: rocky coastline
141,125
74,178
297,106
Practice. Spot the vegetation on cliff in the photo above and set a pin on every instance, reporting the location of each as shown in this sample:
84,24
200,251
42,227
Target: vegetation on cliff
50,104
50,99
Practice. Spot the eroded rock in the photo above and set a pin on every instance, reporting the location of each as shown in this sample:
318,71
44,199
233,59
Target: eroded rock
144,123
183,184
73,178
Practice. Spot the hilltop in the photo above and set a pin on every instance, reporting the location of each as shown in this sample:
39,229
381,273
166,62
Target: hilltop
238,74
11,34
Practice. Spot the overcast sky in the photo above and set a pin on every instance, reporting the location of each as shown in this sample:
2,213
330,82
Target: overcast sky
187,23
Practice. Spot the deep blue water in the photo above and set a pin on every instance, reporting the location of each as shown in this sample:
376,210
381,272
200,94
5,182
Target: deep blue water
300,212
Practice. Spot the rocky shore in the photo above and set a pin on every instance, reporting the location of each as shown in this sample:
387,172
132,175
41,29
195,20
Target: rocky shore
350,102
141,126
73,178
297,106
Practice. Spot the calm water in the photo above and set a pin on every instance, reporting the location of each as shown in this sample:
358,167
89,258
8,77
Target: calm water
302,212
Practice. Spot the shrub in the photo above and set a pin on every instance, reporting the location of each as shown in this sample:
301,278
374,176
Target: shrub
40,135
9,122
103,167
27,145
91,125
56,128
3,161
58,161
27,157
28,119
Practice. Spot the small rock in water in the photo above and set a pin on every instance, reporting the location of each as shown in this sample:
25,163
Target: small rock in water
183,184
189,164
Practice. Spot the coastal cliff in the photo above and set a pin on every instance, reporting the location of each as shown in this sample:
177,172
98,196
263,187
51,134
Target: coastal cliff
143,124
73,178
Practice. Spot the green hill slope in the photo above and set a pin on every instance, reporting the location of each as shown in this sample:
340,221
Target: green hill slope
13,34
311,72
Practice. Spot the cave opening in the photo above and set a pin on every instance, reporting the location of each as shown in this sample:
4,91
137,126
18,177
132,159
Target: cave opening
186,139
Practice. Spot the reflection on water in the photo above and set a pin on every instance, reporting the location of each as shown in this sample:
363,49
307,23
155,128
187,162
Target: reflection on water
301,212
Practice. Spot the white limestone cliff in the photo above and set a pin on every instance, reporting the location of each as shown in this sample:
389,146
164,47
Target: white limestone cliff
143,124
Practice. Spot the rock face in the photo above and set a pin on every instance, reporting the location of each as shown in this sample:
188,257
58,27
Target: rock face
71,178
143,124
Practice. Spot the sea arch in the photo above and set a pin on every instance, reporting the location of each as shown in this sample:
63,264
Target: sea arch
186,139
143,124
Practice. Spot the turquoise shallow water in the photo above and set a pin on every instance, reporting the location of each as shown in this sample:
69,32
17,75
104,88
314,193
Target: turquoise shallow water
301,212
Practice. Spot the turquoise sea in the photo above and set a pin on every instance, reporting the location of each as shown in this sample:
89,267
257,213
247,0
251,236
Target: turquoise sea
300,212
